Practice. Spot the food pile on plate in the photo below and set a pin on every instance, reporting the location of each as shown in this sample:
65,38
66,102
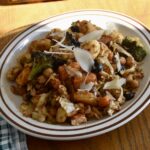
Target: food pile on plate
77,75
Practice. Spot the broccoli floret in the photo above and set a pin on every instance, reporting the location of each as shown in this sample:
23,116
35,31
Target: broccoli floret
40,62
134,49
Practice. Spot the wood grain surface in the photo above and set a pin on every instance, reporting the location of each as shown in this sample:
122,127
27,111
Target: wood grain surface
135,135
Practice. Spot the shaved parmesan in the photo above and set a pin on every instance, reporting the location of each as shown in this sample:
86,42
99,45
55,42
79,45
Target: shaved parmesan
67,105
118,62
95,35
115,84
86,86
83,57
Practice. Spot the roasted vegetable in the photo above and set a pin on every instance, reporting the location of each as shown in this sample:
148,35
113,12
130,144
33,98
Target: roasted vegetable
134,49
41,61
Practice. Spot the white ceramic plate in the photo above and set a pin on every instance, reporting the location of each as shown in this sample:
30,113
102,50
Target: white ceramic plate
9,103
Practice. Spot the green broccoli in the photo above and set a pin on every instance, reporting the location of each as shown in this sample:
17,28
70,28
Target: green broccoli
134,49
42,61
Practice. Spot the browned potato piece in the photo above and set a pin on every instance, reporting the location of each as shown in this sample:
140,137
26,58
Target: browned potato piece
133,84
86,26
91,78
18,90
56,34
106,39
47,72
85,97
26,109
75,65
129,61
138,75
55,83
61,115
78,119
62,73
110,56
25,58
41,79
40,45
103,101
77,82
22,78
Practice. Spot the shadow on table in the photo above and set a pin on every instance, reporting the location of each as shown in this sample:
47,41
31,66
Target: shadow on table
5,38
18,2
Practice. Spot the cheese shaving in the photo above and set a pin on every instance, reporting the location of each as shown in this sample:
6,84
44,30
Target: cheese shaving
86,86
83,57
115,84
94,35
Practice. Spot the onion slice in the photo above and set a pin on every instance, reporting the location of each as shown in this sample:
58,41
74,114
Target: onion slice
118,62
59,53
115,84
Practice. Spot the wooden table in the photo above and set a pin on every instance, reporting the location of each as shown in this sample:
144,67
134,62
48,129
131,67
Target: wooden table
135,135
